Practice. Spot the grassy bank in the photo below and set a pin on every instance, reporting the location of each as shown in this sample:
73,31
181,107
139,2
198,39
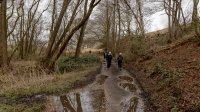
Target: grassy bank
24,87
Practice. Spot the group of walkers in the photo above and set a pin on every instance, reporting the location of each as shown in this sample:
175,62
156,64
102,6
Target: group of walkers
108,57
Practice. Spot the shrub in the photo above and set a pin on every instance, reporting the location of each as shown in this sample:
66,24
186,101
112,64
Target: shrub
197,108
132,48
168,75
174,109
67,64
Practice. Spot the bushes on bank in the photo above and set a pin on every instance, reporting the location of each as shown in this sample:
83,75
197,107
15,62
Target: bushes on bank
67,64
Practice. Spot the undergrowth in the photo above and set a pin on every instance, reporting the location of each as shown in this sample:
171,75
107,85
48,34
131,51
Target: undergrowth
169,76
68,64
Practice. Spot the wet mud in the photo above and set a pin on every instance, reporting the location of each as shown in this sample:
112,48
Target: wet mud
128,87
126,78
112,91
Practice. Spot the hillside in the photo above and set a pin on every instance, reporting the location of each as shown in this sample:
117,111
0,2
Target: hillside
170,76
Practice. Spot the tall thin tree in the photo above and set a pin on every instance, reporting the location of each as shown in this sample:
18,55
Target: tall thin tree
3,34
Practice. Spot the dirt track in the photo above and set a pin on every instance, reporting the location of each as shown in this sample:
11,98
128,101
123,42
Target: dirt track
112,91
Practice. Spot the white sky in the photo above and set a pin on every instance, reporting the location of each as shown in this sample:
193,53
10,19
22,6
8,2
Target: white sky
159,20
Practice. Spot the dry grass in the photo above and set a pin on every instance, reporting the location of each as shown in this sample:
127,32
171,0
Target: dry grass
177,42
12,82
26,79
22,75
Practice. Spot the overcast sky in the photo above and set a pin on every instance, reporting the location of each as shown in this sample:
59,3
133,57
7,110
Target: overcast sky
159,20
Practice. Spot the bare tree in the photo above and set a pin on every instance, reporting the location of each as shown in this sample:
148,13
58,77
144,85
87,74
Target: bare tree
82,33
108,22
195,18
3,36
56,28
173,10
55,49
138,16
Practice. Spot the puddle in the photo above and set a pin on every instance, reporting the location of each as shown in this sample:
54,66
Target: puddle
128,86
108,93
132,104
102,79
87,101
126,78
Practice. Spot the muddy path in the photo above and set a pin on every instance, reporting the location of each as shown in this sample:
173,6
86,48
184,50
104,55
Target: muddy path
112,91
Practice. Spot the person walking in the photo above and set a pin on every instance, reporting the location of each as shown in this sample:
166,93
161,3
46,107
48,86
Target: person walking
104,55
119,60
109,60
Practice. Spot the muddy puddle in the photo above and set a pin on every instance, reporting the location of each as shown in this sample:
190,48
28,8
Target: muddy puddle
128,87
87,101
101,79
126,78
110,92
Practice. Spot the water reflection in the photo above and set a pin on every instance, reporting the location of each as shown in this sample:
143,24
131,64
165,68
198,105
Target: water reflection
128,86
87,101
69,105
126,78
133,104
101,79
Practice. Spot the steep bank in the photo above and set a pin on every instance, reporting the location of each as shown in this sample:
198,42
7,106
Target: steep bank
171,76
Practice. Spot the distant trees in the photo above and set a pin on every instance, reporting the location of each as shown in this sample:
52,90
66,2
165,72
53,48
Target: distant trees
173,10
24,25
29,28
115,20
138,16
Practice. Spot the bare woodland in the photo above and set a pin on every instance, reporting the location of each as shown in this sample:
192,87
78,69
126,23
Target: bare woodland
27,33
50,47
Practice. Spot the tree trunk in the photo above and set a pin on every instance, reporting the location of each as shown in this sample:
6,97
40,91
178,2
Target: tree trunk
195,19
3,36
56,29
80,41
82,33
167,7
113,28
107,26
141,24
21,43
119,27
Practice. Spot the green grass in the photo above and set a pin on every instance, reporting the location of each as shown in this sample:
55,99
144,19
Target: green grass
21,108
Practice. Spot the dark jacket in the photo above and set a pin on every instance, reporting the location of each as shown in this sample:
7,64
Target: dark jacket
109,58
120,58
